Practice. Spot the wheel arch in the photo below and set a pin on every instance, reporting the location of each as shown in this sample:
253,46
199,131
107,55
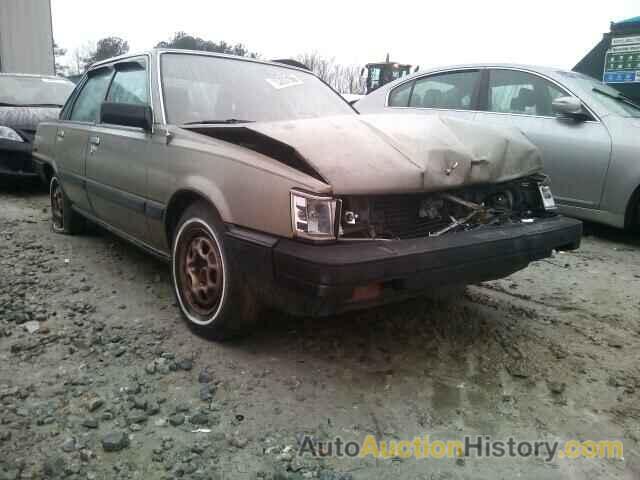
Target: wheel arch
178,203
47,172
632,212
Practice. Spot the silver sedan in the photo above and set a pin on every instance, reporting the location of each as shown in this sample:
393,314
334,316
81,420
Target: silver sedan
588,133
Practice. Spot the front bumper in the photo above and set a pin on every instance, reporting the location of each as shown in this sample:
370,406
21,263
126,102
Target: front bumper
320,279
16,159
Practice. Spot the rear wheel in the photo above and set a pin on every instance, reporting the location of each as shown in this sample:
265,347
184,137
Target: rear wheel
63,218
211,293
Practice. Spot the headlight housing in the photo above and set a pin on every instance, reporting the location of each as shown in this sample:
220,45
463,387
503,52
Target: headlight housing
7,133
313,217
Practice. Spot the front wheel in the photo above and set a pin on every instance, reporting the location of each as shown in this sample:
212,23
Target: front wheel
63,218
210,290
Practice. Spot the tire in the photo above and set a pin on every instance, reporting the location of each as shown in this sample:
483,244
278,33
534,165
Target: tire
635,221
63,218
212,295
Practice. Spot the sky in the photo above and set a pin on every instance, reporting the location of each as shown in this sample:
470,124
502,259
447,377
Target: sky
428,33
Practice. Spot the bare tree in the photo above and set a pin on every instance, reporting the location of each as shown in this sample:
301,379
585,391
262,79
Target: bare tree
343,78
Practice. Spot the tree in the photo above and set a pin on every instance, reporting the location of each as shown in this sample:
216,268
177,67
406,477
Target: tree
184,41
106,48
59,52
343,78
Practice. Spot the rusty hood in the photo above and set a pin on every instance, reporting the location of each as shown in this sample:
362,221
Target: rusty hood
397,153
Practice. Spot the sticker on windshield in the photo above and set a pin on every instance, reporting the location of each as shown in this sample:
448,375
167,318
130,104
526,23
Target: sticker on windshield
284,81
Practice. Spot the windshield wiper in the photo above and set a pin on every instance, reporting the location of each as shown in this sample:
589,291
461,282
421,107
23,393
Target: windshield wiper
227,121
618,96
44,105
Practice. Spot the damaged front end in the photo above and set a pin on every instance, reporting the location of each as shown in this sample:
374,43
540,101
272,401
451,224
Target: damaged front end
392,217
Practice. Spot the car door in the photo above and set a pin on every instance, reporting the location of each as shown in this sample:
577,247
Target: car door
452,93
116,165
575,153
73,133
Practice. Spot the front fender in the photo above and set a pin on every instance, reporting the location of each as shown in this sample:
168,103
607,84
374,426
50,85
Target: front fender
623,177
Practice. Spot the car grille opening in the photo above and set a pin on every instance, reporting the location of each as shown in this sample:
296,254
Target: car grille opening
409,216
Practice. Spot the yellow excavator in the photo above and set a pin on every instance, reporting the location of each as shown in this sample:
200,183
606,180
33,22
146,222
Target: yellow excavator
381,73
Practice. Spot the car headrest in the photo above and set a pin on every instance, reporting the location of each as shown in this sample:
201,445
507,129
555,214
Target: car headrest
526,98
432,98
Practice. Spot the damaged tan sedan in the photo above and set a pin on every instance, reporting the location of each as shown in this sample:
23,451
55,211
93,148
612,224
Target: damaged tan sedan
263,187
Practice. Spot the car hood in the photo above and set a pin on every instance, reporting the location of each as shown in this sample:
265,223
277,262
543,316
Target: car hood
26,118
389,153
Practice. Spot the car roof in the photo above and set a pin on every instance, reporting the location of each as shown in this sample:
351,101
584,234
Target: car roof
159,51
552,72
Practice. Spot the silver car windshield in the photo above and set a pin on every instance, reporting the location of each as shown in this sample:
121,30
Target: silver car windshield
207,89
17,91
609,98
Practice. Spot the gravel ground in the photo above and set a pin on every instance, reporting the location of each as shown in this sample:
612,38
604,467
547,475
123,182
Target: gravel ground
113,385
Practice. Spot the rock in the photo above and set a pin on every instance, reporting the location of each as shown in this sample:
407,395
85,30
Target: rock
115,441
153,408
140,403
163,366
204,376
238,441
557,387
31,326
53,466
94,404
200,418
176,419
150,368
160,422
138,417
206,392
86,455
90,422
69,445
186,364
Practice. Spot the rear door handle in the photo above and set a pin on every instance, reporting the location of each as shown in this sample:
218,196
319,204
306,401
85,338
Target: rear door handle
60,134
94,140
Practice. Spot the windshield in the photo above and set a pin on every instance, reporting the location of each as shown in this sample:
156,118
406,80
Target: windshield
200,88
609,98
34,91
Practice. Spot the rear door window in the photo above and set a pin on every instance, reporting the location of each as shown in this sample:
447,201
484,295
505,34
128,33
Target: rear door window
87,104
400,96
451,90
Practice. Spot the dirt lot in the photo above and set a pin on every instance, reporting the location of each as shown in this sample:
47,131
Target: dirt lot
552,352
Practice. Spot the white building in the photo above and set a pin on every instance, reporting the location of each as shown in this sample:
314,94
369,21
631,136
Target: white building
26,37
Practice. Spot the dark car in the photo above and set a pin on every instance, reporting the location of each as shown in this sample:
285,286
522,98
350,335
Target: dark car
25,101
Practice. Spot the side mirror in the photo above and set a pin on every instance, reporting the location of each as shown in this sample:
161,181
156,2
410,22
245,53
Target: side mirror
127,115
569,107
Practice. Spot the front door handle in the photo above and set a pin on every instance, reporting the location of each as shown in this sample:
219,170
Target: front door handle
94,140
60,134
